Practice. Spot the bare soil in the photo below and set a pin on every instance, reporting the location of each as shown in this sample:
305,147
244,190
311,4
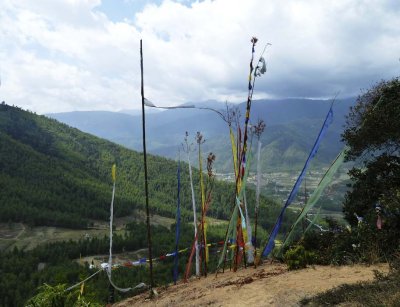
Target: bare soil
268,285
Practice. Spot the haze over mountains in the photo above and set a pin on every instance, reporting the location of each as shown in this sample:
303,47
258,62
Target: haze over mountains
292,126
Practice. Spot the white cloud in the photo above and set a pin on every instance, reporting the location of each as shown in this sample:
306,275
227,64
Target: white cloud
68,55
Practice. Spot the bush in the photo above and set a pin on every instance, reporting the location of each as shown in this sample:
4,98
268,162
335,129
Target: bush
345,245
50,296
298,258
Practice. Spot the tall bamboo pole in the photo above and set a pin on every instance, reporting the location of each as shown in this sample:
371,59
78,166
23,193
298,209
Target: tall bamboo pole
258,130
187,149
146,189
200,140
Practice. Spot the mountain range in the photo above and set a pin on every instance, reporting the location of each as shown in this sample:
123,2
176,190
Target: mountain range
291,128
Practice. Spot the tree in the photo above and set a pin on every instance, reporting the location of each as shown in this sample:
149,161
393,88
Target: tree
372,134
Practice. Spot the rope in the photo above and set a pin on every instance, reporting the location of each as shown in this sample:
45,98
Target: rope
316,225
124,290
79,283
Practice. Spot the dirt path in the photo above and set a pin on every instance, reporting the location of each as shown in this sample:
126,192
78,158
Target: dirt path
268,285
8,234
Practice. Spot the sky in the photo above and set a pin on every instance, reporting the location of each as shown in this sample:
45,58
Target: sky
75,55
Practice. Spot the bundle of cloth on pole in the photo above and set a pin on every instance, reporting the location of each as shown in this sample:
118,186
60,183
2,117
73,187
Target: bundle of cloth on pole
239,229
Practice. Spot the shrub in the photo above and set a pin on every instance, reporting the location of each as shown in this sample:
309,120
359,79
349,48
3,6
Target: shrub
298,258
345,245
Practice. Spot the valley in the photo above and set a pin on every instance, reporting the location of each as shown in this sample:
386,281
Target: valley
57,189
26,238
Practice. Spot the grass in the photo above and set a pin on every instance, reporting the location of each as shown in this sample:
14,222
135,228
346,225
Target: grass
9,231
383,291
26,238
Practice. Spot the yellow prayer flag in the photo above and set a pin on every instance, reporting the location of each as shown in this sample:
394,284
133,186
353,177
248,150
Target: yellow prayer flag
245,237
113,170
234,152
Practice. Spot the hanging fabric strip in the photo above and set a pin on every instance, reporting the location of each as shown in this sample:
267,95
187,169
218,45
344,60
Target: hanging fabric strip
178,222
258,175
246,169
189,264
247,229
271,241
205,239
109,266
242,190
248,241
234,151
150,104
258,189
243,220
196,244
235,214
313,222
123,290
229,235
238,159
113,171
379,222
203,202
324,182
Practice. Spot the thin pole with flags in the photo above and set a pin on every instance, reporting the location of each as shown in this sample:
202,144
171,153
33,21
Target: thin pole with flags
146,189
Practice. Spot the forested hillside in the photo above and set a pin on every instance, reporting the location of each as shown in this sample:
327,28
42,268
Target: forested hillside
52,174
291,128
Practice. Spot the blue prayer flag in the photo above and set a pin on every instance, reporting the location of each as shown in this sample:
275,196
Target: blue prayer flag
271,241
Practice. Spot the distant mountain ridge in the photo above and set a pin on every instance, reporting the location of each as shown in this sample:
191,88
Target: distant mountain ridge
292,126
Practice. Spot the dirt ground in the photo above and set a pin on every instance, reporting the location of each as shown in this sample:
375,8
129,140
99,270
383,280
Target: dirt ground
268,285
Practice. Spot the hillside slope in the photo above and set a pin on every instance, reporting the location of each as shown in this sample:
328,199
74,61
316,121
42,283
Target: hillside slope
268,285
52,174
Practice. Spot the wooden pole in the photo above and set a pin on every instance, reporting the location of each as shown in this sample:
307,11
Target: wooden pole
203,239
187,149
146,189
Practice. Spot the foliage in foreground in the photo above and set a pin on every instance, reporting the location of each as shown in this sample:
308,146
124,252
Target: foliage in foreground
372,136
344,245
298,258
57,296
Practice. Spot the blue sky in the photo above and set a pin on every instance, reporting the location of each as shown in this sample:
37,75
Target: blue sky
67,55
120,10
